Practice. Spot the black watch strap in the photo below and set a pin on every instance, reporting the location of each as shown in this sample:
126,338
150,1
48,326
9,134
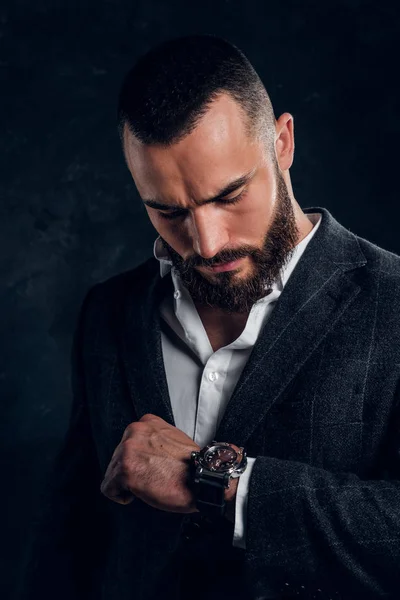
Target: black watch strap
210,493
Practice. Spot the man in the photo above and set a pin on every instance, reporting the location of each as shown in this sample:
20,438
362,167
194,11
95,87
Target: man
257,327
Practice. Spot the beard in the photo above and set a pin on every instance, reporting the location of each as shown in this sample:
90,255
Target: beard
226,291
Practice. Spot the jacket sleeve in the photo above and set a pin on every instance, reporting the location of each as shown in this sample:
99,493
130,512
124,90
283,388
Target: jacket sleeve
321,534
70,539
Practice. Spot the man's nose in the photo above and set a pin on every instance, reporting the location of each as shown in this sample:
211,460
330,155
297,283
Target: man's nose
209,236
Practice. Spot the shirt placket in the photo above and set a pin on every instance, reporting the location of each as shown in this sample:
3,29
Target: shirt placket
209,398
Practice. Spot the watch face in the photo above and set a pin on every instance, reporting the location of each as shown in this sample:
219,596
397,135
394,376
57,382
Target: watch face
220,458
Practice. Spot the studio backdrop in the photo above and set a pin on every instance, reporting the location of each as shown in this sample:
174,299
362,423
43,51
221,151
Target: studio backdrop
70,213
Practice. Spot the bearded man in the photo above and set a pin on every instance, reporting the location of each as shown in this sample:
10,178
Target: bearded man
235,425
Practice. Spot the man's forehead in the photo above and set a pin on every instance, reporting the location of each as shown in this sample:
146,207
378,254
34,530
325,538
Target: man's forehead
220,129
173,183
206,168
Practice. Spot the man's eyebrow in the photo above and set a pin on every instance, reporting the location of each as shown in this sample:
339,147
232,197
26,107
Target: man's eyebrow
228,189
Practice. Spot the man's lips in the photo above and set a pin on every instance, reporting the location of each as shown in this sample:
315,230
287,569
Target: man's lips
228,266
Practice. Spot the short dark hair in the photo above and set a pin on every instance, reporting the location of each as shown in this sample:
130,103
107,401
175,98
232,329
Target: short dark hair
169,89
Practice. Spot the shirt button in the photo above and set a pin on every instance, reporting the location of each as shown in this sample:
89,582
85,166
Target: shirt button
213,376
177,294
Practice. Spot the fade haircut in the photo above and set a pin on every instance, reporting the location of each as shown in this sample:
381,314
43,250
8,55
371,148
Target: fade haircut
169,89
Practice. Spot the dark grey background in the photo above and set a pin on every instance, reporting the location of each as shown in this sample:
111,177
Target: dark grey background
69,211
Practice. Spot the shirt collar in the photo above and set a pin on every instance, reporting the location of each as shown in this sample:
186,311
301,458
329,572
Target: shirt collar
162,254
298,250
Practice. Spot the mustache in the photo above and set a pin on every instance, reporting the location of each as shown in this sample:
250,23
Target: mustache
224,256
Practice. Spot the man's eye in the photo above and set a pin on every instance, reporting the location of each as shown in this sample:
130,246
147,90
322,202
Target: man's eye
180,213
172,215
232,200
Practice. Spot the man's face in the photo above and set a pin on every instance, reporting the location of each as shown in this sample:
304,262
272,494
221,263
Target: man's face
230,248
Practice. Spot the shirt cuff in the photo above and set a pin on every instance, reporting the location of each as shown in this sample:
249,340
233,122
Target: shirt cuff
239,533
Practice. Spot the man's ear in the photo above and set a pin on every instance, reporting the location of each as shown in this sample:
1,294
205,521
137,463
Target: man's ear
284,141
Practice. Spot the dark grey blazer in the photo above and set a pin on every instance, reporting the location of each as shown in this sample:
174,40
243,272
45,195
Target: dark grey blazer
317,404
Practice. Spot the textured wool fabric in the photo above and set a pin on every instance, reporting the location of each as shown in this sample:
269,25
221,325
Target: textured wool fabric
317,404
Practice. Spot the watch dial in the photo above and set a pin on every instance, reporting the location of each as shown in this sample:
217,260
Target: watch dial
220,458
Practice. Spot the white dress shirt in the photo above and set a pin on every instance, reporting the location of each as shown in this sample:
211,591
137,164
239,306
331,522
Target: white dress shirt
201,381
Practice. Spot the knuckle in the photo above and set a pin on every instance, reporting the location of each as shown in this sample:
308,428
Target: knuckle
131,429
125,459
148,417
126,465
136,426
145,416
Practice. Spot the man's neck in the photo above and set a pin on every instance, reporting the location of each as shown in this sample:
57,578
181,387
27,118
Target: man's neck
222,328
304,225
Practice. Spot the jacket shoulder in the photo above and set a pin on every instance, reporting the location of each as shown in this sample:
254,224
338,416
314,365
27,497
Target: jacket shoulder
139,278
380,281
104,303
380,261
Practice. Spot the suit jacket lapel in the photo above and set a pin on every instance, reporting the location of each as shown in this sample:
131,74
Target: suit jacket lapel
141,350
315,296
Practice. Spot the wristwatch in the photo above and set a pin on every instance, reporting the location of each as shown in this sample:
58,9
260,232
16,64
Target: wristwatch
212,469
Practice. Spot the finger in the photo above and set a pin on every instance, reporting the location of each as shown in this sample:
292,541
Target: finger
123,497
116,492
